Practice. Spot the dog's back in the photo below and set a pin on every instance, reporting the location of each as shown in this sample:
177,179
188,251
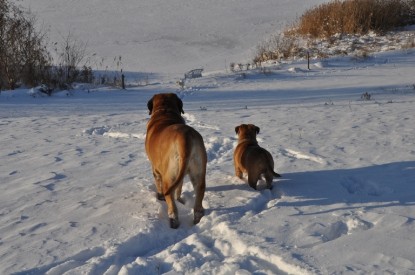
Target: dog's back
176,151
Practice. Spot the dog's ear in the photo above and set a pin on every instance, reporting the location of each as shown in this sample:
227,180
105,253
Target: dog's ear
237,129
257,130
150,105
180,104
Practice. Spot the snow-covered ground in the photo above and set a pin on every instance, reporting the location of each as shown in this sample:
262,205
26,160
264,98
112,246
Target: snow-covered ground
167,36
77,193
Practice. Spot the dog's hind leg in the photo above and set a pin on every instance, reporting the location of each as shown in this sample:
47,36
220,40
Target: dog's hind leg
178,193
172,211
199,185
238,171
157,181
268,179
252,180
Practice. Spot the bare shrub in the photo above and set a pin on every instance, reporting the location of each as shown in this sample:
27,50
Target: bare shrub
69,54
25,59
23,54
181,83
277,47
366,96
232,66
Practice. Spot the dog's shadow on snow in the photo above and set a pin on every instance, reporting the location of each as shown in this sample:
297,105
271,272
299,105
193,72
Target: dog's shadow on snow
382,186
228,187
376,186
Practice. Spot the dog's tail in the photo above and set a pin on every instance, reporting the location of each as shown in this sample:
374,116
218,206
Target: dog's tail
276,175
180,176
182,163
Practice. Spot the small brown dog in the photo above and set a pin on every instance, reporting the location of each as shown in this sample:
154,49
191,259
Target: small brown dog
252,159
175,150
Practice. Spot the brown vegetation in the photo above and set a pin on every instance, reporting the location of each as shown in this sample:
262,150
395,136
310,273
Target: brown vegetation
354,17
330,22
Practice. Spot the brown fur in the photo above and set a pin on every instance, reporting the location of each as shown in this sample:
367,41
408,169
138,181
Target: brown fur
175,150
252,159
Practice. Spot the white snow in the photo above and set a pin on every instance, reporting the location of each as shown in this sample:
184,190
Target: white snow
77,194
168,37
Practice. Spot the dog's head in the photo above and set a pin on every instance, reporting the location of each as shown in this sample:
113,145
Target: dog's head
169,102
247,131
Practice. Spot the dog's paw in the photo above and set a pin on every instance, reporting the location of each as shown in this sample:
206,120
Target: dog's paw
253,185
174,223
198,216
160,197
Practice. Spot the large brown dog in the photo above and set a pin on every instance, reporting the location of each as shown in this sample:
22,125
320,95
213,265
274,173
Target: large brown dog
252,159
175,150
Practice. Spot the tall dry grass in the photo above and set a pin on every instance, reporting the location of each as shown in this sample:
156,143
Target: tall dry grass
277,47
331,21
354,17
